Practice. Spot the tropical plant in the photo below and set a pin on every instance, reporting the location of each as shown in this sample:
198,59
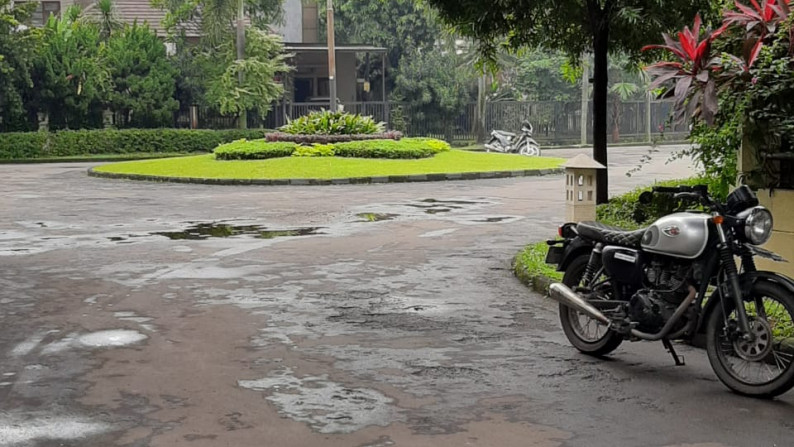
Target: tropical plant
70,72
327,122
602,27
143,81
17,50
750,97
694,73
107,21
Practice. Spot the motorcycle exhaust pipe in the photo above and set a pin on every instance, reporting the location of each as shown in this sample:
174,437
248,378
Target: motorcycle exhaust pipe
563,294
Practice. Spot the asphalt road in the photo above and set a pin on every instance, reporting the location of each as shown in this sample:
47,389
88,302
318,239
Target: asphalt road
362,315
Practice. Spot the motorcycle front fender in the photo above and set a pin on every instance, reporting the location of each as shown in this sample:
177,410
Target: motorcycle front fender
747,281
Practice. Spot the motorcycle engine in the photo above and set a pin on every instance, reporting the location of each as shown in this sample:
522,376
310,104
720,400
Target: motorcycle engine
666,286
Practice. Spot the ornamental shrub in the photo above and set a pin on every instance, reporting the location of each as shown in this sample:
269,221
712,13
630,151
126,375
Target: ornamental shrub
318,150
326,122
407,148
328,139
253,150
110,141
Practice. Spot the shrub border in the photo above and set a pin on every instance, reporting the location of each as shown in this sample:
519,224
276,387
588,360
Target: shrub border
336,181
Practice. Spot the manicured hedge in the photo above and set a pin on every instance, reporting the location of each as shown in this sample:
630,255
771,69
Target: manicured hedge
330,139
254,150
407,148
109,141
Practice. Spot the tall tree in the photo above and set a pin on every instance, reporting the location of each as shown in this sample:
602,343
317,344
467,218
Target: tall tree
572,26
17,48
143,81
400,26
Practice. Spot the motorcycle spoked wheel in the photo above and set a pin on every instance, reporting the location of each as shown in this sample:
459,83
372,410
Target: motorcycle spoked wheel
585,334
763,368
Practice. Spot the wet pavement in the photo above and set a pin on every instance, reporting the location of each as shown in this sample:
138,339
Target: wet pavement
146,314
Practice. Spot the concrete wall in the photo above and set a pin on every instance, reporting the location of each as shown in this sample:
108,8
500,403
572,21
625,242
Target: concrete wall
346,77
781,203
292,27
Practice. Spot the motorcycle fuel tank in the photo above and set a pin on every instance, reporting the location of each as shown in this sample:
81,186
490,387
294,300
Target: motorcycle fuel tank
682,235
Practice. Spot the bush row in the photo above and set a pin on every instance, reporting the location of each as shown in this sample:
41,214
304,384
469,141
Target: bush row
330,139
405,148
110,141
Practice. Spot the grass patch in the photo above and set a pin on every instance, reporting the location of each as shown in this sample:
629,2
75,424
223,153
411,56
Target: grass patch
531,262
205,166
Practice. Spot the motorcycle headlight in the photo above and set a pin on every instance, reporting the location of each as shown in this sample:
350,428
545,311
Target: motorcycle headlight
758,226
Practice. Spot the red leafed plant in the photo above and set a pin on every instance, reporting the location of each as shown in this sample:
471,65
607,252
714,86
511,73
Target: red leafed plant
694,72
759,21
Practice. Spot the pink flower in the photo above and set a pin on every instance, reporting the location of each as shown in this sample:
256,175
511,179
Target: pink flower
755,80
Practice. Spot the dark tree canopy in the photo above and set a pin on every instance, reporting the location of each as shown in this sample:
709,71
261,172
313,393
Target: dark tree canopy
574,27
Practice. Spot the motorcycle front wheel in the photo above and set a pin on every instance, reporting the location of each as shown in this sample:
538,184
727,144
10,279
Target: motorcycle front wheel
585,333
529,149
762,368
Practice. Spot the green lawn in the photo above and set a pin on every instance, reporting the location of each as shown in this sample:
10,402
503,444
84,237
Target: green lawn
205,166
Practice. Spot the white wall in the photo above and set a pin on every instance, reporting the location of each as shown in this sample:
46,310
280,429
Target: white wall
292,27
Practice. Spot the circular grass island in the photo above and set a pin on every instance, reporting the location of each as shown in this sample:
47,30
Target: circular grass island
372,161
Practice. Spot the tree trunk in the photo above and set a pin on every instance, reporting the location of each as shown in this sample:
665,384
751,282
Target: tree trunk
479,112
242,121
599,19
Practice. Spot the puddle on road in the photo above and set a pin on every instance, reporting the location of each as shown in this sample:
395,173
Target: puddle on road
494,219
204,231
111,338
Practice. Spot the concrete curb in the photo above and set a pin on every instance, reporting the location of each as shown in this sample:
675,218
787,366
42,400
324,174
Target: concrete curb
338,181
537,282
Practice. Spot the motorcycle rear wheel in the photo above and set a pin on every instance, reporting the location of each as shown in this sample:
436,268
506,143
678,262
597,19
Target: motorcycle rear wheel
586,334
763,368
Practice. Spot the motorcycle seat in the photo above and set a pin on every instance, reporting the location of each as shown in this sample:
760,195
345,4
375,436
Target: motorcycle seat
504,133
610,235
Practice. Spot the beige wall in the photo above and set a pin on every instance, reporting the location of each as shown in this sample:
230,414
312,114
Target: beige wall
781,203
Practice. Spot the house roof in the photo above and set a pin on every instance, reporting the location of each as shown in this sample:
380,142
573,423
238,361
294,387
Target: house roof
319,47
131,11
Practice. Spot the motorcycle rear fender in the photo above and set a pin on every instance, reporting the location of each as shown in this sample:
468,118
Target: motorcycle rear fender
747,281
573,249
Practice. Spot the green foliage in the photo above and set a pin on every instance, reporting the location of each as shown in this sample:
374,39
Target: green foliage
318,150
143,80
22,145
264,59
540,75
17,49
400,26
326,122
407,148
253,150
437,85
307,139
531,263
627,212
70,73
86,142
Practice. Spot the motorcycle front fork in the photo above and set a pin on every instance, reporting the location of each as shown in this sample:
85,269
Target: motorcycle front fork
731,288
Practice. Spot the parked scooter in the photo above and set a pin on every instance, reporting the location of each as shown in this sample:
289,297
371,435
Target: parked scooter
507,142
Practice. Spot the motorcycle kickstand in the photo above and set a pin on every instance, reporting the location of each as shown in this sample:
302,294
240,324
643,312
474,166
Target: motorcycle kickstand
679,360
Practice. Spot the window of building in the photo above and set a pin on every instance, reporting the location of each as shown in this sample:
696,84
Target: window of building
43,12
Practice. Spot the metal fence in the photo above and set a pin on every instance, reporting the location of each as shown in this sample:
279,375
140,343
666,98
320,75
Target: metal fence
554,122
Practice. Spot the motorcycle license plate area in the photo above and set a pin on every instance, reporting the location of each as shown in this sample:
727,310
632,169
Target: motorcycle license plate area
554,256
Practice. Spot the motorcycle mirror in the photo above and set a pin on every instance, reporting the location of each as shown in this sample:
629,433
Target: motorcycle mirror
646,198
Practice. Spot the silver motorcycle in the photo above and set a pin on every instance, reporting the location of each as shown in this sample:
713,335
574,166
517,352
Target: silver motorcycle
508,142
678,279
